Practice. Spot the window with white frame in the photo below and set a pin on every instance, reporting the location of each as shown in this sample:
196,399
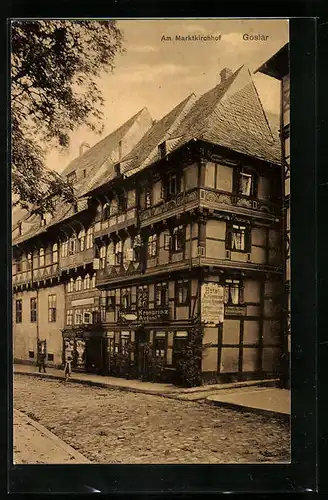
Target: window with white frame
238,238
161,294
232,292
89,238
78,317
102,257
52,308
118,253
86,282
70,285
160,345
78,284
182,292
41,257
152,245
81,238
64,248
93,281
178,239
69,317
72,245
55,253
246,182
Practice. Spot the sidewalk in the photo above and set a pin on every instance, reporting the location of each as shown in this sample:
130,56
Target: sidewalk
269,401
34,444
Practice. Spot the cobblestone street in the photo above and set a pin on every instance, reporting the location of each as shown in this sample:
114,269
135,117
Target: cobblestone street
111,426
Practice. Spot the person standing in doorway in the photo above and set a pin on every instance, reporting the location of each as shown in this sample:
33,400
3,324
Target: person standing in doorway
42,361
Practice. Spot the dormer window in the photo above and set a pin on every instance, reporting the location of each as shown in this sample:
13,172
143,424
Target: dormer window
162,149
71,178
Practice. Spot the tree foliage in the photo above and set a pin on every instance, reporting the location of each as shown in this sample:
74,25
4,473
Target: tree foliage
55,65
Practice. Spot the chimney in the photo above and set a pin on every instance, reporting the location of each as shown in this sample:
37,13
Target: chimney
84,146
225,73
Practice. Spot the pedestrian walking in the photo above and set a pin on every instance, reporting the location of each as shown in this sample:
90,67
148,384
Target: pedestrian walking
68,367
42,362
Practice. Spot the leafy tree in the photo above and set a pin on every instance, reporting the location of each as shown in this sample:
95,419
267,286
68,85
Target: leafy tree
55,65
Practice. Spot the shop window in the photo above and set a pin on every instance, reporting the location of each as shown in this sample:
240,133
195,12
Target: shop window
78,317
161,294
89,238
160,345
31,354
182,288
78,284
179,343
52,308
125,339
238,238
50,357
29,261
86,282
41,257
69,317
233,292
81,238
126,298
152,246
33,309
142,297
19,310
55,253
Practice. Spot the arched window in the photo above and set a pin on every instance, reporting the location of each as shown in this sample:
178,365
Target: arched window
81,238
89,238
93,281
86,282
78,284
70,285
106,211
41,257
54,253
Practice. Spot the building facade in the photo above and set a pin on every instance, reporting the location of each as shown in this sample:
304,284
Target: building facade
278,67
178,244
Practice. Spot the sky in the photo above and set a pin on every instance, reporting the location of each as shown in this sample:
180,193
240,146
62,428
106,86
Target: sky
157,73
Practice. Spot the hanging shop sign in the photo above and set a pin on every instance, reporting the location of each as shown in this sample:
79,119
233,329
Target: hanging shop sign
212,303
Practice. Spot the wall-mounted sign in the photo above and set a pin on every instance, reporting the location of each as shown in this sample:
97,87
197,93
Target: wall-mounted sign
83,302
235,310
129,316
212,303
145,315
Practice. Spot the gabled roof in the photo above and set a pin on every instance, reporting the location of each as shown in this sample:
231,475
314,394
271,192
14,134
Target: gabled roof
146,150
92,161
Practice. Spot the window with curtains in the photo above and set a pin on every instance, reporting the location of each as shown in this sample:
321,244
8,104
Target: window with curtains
52,308
118,253
238,238
89,238
55,253
159,345
72,245
81,238
70,285
126,298
246,182
178,239
152,245
86,282
33,309
69,317
182,292
233,292
41,257
142,297
172,185
19,310
78,284
29,261
102,257
161,294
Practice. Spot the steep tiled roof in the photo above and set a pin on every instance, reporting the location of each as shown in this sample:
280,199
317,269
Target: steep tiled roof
92,161
146,150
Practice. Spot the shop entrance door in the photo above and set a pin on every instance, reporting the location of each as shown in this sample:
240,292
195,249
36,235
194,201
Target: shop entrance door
94,355
141,360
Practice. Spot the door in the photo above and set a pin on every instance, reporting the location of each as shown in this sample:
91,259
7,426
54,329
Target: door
141,361
94,355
